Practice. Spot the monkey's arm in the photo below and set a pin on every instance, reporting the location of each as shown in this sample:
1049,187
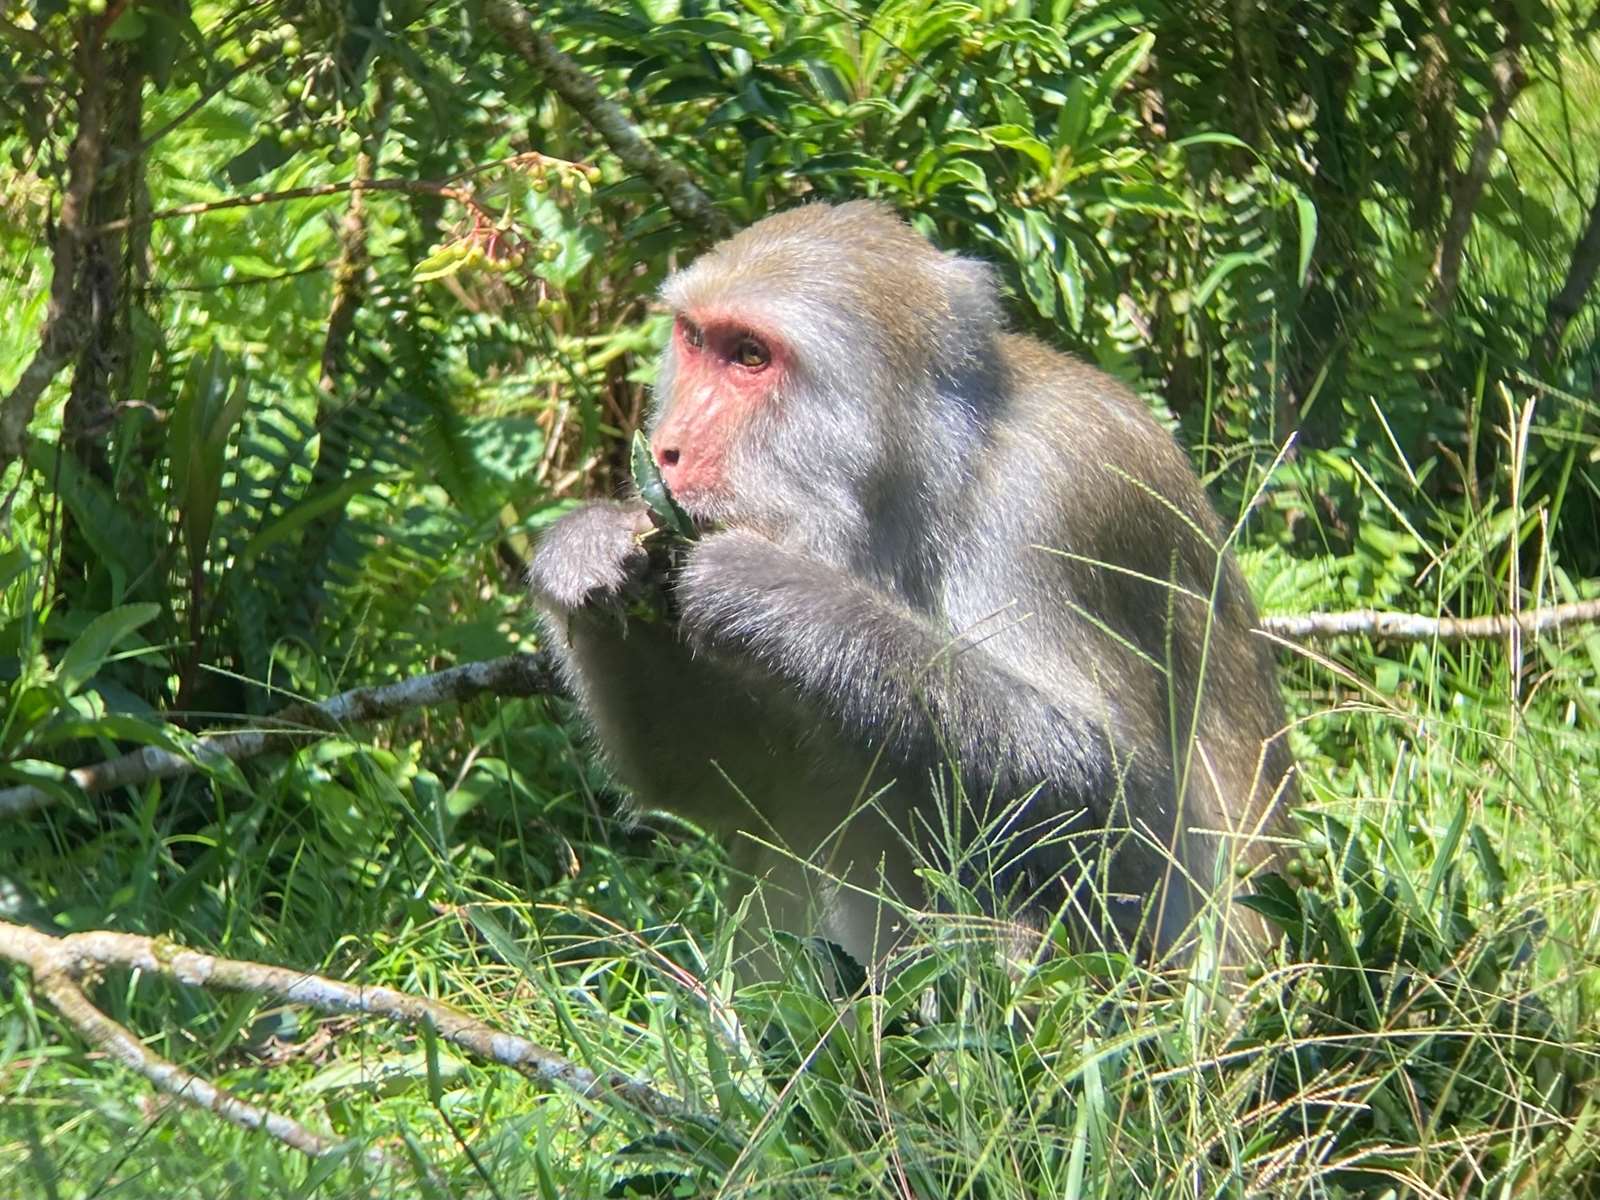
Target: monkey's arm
890,677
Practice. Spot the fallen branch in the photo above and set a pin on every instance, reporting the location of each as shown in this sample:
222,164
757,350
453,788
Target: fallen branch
60,965
635,151
1412,627
513,675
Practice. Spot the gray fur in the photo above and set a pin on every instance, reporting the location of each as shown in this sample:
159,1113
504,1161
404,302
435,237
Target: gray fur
879,614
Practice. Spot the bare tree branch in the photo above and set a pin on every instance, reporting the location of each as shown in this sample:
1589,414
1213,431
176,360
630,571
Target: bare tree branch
514,675
64,326
350,275
1508,79
60,965
1574,290
1411,627
636,152
535,675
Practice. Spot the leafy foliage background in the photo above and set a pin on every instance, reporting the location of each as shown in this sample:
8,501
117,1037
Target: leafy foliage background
278,460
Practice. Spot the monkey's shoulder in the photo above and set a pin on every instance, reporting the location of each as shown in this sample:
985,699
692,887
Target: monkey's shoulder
1086,429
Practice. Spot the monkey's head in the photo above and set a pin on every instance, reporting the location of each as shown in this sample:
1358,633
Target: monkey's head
802,352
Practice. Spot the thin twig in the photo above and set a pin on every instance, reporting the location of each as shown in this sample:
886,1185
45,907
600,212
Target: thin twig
635,151
1413,627
413,186
513,675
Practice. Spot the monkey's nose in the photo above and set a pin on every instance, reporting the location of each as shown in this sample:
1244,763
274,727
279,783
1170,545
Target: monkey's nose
666,457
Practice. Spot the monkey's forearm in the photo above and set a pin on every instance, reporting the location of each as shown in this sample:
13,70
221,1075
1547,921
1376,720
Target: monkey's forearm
888,675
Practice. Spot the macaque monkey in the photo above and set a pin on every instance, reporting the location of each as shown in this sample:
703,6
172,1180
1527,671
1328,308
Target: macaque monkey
958,599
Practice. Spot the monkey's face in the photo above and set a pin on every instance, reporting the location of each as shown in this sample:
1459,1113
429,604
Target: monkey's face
719,380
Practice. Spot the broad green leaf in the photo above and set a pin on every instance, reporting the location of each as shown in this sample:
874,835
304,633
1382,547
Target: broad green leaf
91,648
1013,109
962,172
1150,198
1090,22
122,542
1015,137
1069,277
1077,112
120,727
209,405
1308,234
706,31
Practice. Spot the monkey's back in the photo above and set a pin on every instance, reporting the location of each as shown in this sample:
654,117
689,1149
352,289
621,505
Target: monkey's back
1116,573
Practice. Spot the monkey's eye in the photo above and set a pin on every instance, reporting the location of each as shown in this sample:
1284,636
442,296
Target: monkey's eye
749,352
692,333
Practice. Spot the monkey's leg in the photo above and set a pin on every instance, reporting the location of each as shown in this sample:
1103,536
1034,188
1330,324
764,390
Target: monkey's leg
807,816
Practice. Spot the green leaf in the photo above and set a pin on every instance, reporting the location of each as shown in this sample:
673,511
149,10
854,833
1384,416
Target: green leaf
1015,137
1444,854
306,510
1213,139
1150,198
128,27
1275,900
1076,114
122,543
91,648
120,727
963,172
1488,862
1012,108
1308,234
1069,277
1120,65
446,260
653,489
209,406
1226,265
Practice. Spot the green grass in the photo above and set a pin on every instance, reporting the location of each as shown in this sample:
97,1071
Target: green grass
1459,1058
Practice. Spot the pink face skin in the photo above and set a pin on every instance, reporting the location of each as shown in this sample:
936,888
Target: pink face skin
726,370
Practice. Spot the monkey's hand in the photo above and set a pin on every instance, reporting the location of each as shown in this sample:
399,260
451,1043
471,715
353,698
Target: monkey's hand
595,556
